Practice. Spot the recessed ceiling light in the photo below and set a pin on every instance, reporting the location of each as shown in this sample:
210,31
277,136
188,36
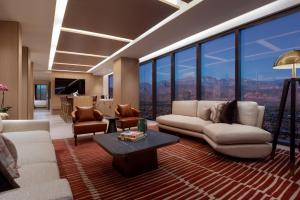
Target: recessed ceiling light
100,35
80,54
71,71
72,64
60,9
175,3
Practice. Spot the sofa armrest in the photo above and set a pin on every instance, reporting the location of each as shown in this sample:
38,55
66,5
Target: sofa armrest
25,125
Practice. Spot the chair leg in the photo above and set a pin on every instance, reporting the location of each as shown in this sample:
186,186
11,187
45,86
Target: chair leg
93,133
75,138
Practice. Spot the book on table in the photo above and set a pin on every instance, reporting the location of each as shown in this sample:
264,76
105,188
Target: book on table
131,136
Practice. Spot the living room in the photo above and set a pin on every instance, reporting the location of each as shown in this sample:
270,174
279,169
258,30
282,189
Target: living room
149,99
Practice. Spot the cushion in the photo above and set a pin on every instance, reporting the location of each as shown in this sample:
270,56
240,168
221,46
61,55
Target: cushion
183,122
28,136
58,189
37,173
85,114
7,181
215,112
11,148
186,108
89,127
1,125
247,113
236,134
30,153
229,113
7,159
125,110
203,108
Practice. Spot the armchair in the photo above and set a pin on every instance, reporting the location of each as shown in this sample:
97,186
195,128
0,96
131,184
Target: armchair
128,116
87,120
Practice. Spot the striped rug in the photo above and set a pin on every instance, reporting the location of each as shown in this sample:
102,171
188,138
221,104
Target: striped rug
187,170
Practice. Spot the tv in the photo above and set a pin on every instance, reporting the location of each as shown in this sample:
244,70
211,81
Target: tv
69,86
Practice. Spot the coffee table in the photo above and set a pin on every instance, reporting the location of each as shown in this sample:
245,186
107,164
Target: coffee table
134,158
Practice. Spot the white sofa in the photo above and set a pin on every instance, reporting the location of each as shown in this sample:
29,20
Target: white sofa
39,175
246,139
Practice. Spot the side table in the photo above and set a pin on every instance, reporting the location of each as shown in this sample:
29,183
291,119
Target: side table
112,124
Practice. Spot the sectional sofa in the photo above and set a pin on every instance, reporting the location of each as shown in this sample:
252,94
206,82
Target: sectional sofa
37,165
245,139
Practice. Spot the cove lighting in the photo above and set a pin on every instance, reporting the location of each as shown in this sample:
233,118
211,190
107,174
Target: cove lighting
60,9
80,54
72,64
175,3
100,35
70,71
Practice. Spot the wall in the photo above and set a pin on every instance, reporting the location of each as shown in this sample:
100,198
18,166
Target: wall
30,91
93,85
11,65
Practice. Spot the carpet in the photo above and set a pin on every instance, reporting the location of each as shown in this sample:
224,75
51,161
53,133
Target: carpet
187,170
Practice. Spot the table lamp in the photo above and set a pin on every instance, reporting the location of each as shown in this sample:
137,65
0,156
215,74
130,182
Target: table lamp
289,60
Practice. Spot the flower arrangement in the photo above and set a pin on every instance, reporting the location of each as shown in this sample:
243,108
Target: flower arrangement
3,89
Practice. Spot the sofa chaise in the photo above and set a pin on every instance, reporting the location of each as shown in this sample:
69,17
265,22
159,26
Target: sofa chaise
245,139
37,165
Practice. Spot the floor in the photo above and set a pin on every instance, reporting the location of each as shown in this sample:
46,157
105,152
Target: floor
60,129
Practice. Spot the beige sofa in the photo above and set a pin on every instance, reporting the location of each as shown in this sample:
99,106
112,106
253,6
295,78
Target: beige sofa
246,139
39,175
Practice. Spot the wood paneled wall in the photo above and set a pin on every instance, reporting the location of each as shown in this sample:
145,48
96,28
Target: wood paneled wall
11,65
93,86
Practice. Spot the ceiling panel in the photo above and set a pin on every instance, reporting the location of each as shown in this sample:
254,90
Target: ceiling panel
123,18
70,68
76,59
88,44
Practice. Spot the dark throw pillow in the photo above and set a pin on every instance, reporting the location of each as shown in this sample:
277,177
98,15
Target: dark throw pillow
85,114
7,182
229,113
125,110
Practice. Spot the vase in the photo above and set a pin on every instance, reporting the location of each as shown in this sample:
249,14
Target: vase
142,125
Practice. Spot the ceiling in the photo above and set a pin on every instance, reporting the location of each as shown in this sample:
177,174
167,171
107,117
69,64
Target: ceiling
121,18
36,26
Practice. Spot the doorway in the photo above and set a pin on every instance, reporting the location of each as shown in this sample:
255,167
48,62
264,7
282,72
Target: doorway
41,97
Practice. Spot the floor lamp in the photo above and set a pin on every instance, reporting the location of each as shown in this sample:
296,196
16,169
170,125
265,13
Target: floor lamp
288,60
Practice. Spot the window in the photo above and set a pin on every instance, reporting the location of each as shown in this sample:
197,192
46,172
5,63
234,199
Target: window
146,108
218,69
41,92
110,86
185,74
163,86
260,47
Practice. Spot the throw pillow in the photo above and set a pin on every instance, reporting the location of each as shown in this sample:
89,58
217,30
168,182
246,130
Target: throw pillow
215,112
1,125
11,148
7,159
7,181
125,110
85,114
229,113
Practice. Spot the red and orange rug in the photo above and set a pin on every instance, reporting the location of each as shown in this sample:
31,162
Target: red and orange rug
187,170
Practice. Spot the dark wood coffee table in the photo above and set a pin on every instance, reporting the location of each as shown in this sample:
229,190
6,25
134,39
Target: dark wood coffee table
134,158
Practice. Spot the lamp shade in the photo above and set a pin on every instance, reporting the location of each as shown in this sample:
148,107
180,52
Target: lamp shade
289,60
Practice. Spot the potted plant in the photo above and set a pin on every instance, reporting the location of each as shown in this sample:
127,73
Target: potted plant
3,89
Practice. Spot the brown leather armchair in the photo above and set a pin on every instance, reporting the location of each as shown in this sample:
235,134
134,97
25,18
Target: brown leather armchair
128,116
87,120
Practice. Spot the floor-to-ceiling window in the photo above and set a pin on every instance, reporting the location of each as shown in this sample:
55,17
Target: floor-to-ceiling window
260,47
110,86
146,107
218,68
185,74
163,86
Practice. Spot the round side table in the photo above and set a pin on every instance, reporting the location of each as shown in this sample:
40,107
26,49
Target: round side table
112,124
